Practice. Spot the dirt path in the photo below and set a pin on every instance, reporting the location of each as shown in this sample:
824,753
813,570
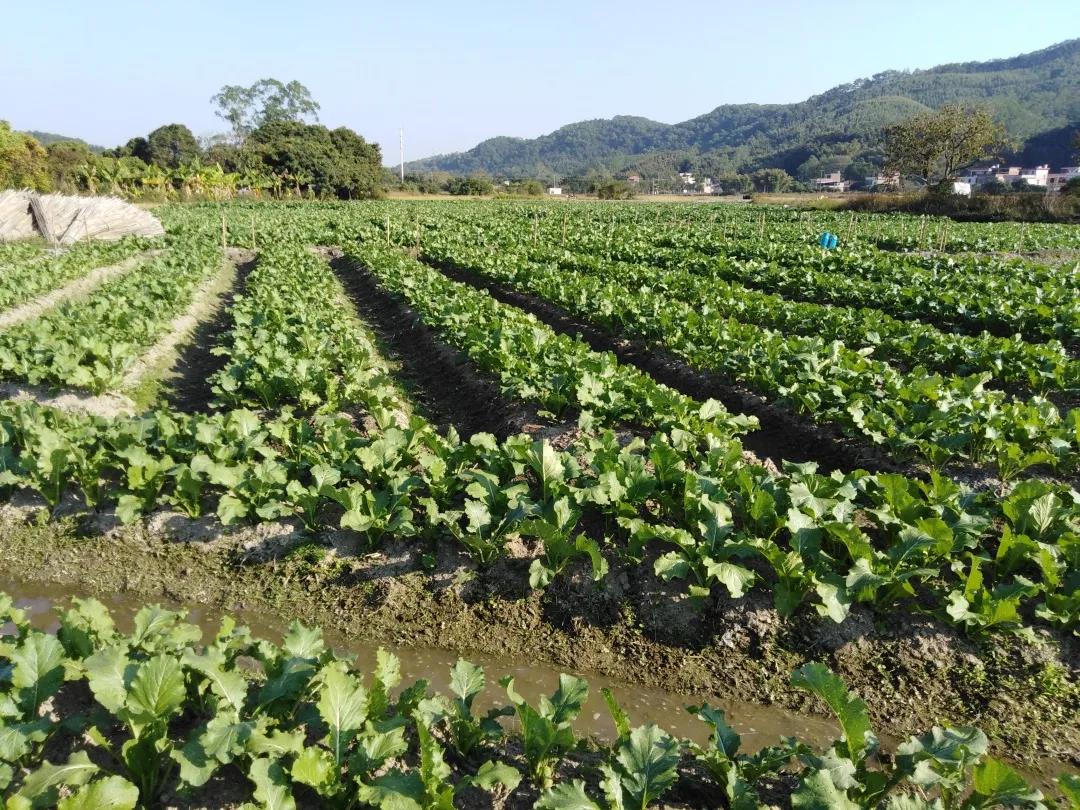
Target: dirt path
104,405
79,287
188,387
204,304
450,390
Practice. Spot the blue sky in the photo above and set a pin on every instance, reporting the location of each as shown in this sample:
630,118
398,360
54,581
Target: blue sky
454,73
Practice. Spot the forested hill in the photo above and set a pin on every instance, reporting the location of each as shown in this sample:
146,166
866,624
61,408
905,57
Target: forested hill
1036,94
46,138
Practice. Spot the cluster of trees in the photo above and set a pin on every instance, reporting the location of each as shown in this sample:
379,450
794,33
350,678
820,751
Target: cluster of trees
271,149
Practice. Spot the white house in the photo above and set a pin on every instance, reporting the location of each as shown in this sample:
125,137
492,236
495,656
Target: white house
555,190
832,182
1038,176
961,188
1056,180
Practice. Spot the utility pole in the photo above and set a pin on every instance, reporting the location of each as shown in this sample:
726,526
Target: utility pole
401,145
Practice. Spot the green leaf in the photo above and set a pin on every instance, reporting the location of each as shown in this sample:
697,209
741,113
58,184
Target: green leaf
38,670
491,774
271,784
343,704
817,792
110,793
315,768
303,642
108,673
157,690
735,578
42,783
1069,784
622,722
996,783
566,796
849,709
231,510
394,790
647,761
466,680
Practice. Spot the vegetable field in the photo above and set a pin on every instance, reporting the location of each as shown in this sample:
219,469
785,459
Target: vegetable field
680,445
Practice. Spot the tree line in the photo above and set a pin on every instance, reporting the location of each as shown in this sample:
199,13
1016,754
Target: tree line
275,147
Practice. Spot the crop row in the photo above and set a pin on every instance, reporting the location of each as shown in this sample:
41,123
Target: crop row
168,714
937,418
967,304
12,253
1037,303
91,342
467,319
534,363
295,340
1040,367
26,279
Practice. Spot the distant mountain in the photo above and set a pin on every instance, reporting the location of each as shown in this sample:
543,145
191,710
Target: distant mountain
45,138
1033,95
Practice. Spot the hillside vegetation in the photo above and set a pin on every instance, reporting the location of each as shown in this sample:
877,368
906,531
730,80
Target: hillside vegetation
1036,96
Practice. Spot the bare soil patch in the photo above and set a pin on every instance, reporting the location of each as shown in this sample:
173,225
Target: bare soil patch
108,406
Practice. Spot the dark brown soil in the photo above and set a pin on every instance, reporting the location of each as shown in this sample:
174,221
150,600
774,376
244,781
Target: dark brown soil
188,389
443,382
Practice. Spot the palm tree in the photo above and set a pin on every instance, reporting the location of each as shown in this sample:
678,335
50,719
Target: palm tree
88,173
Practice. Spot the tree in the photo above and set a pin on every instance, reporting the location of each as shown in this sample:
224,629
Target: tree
24,163
934,146
734,183
475,184
171,146
772,180
310,157
614,190
267,101
66,159
1072,188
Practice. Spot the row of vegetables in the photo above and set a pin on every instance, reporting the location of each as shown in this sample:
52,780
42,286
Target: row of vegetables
1036,367
27,273
679,496
161,716
91,342
937,419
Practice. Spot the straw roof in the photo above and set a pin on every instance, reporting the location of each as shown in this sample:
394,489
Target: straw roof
66,220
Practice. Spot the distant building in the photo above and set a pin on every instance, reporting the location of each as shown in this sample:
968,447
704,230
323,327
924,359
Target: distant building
633,178
882,181
708,187
961,188
832,182
1055,181
1009,175
555,190
687,178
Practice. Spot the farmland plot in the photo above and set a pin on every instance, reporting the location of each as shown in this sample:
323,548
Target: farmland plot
615,519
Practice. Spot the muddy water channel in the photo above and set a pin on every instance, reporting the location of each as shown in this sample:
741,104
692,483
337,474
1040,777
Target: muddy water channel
758,725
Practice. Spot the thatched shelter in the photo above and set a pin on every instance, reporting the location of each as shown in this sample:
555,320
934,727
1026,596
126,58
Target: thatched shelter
65,220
